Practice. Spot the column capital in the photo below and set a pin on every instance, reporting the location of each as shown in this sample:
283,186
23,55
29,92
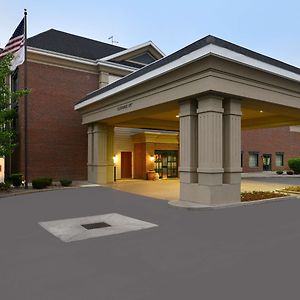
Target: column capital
100,127
188,108
210,96
90,129
210,103
232,106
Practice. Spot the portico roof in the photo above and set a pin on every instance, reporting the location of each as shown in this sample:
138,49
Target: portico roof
209,45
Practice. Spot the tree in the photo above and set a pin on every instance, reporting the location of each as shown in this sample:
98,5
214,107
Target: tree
7,113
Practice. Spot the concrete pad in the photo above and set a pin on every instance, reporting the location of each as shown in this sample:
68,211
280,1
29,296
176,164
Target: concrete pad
70,230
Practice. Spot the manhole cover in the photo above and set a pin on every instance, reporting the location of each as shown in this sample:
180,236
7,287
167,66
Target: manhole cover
95,225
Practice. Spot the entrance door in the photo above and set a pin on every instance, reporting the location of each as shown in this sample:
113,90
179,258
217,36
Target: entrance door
267,162
166,163
126,164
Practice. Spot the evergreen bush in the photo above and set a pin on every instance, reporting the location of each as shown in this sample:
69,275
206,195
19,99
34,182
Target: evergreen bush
65,182
294,164
40,183
16,179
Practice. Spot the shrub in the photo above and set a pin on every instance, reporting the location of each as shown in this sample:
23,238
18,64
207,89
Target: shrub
48,180
289,172
279,172
295,188
4,186
16,179
65,182
40,183
294,164
259,195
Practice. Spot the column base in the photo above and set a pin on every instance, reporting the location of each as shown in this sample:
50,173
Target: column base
100,174
210,195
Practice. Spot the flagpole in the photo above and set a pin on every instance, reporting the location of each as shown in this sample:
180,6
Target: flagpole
25,104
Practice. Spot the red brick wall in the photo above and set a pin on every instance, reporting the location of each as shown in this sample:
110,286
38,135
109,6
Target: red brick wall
57,140
269,141
139,155
142,152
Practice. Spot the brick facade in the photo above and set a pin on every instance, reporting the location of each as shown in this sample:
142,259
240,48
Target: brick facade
57,140
269,141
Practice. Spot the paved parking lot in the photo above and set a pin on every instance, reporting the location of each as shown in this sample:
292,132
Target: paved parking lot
238,253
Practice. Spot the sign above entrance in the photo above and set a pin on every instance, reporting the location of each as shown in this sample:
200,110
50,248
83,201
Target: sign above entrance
125,106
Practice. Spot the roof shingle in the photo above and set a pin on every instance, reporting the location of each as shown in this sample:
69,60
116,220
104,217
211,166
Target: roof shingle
66,43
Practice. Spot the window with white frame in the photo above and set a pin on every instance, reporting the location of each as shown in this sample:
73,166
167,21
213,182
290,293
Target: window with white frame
279,159
253,159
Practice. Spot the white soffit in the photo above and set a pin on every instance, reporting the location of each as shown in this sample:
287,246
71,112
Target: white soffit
210,49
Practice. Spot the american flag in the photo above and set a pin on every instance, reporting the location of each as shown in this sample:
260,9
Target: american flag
15,43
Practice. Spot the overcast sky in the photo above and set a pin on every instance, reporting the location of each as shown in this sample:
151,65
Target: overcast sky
265,26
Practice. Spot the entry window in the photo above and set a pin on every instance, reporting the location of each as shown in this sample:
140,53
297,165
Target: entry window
279,159
253,159
166,164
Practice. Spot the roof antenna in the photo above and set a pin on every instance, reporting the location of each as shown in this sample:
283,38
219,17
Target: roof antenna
112,40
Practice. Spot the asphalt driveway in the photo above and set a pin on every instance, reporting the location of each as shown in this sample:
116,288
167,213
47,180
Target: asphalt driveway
244,253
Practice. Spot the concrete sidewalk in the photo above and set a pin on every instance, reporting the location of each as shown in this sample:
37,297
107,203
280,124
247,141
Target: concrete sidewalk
238,253
169,189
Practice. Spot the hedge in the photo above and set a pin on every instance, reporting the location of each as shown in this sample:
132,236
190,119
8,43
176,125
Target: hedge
16,179
40,183
294,164
65,182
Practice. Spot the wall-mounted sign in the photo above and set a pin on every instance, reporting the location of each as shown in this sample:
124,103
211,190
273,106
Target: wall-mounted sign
124,106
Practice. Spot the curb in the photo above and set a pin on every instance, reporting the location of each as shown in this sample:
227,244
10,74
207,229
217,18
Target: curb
198,206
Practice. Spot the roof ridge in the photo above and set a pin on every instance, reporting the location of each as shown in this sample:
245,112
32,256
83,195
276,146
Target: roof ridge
75,35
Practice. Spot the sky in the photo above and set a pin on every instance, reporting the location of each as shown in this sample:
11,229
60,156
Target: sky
267,27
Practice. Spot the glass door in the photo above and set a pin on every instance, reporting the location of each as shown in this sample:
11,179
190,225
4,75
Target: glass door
166,164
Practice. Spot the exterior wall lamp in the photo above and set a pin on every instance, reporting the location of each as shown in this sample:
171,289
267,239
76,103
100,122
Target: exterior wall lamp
115,158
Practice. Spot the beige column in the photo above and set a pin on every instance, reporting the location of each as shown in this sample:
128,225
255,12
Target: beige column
210,140
103,79
188,141
101,157
232,145
90,160
219,145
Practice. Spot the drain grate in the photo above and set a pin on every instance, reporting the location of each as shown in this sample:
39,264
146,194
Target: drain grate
95,225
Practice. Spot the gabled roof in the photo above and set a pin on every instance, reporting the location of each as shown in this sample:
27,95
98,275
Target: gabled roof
66,43
146,45
208,45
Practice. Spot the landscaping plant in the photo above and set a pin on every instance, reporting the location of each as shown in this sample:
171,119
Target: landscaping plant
294,164
16,179
65,182
40,183
259,195
7,111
